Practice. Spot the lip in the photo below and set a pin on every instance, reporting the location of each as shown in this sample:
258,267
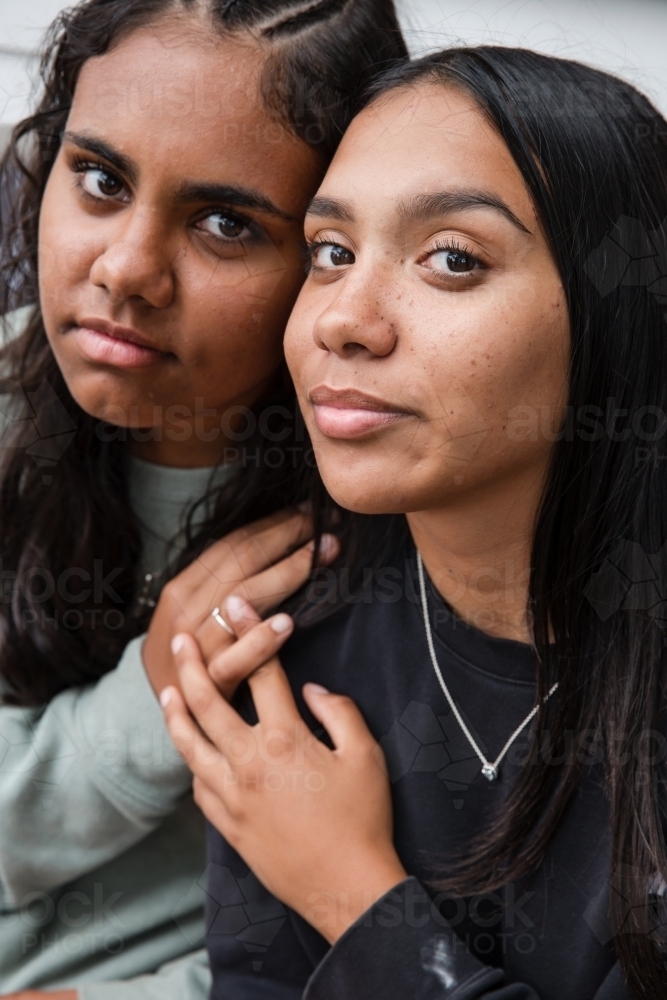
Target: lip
111,344
348,413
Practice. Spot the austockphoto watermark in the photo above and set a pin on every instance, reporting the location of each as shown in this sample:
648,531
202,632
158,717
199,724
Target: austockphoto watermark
77,923
591,423
272,436
237,424
421,742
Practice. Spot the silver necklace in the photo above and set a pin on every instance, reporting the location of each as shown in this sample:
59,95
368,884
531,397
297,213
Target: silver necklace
489,769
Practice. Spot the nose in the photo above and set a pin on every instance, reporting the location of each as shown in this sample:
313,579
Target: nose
136,261
358,320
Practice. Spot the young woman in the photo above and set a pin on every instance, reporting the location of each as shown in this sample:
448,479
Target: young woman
158,194
479,348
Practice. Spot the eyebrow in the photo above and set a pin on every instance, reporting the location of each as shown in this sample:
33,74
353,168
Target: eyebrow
102,149
426,206
226,194
329,208
233,195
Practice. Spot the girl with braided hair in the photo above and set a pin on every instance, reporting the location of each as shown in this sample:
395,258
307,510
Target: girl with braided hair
150,260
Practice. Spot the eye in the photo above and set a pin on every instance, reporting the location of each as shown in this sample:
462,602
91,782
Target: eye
225,225
100,183
329,255
452,259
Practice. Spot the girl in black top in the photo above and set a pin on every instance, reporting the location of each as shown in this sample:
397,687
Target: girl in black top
480,348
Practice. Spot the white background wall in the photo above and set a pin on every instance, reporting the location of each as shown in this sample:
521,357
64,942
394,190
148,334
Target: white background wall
628,37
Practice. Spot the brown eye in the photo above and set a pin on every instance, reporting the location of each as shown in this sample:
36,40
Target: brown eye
101,183
328,255
225,226
452,261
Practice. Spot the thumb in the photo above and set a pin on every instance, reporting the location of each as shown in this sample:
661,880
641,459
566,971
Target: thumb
340,717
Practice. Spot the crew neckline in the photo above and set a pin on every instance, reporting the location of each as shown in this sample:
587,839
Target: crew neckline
516,662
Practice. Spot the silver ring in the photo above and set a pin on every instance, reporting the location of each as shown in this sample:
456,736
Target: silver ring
221,621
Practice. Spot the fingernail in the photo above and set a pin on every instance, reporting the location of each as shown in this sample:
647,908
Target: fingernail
281,623
318,689
177,644
328,545
234,606
166,696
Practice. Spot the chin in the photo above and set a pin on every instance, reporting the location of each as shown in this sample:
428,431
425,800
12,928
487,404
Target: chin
363,497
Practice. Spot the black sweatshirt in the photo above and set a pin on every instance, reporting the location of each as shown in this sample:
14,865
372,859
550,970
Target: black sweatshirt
545,937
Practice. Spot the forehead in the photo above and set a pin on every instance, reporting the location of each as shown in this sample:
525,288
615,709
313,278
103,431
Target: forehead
423,138
183,98
175,72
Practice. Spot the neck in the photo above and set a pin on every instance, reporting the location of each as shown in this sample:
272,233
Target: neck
196,456
477,550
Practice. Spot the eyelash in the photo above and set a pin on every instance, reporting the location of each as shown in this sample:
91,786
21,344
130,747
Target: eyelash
80,167
309,249
451,245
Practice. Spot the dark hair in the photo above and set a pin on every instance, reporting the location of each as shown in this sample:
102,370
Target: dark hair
63,496
593,154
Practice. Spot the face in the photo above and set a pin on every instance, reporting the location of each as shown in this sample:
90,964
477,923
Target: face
169,235
433,319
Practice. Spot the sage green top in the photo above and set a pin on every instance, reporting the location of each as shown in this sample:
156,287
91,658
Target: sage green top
102,853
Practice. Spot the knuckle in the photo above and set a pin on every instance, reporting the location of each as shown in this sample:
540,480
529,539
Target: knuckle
261,639
199,699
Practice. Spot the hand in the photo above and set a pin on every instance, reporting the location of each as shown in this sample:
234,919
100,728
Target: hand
315,825
251,563
41,995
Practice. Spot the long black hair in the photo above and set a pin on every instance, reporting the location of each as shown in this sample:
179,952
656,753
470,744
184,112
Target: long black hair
593,154
69,544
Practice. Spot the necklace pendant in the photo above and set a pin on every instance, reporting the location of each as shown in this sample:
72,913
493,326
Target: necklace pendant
490,772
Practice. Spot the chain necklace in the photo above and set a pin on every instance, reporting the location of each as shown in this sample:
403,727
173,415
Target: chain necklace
149,593
489,769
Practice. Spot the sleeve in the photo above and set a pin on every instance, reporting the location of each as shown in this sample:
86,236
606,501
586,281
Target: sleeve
397,951
83,779
188,978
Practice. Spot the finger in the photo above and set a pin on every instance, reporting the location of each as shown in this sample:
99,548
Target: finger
263,592
340,717
227,563
268,589
251,549
223,726
232,665
197,752
273,698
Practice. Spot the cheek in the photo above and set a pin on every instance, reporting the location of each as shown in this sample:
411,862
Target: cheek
300,346
66,251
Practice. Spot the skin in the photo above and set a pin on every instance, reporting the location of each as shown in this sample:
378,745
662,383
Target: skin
147,238
449,348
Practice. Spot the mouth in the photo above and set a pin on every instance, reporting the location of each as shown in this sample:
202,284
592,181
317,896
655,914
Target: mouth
120,346
347,413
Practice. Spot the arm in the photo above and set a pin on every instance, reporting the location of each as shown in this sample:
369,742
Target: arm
93,772
188,978
83,779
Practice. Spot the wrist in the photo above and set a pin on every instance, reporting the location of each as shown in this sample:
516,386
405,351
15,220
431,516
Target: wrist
333,912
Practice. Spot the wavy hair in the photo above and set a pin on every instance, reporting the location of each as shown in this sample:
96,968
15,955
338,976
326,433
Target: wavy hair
64,512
